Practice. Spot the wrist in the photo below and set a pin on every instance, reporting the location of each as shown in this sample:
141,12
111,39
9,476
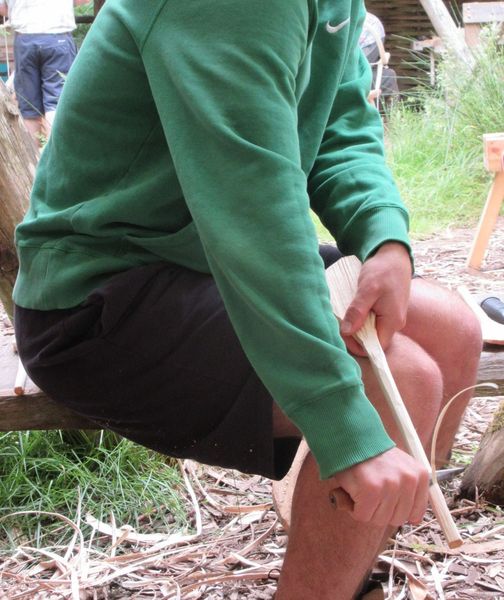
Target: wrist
396,251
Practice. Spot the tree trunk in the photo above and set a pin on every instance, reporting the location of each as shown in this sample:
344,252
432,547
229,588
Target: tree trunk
486,473
18,159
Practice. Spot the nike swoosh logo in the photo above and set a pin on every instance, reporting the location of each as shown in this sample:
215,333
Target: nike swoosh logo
334,29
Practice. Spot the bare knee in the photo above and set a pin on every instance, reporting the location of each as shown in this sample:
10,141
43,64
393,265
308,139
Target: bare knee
441,322
420,383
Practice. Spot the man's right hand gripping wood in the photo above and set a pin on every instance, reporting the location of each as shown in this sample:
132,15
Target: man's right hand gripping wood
388,489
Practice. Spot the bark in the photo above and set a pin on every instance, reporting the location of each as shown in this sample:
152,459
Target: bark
37,411
486,473
18,159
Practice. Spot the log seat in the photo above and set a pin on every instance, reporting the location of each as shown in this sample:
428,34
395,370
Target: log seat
35,410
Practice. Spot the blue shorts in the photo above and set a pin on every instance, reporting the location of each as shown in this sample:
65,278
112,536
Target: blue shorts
41,61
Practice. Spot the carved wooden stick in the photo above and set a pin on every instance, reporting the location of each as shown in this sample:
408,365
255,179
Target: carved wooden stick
21,377
342,279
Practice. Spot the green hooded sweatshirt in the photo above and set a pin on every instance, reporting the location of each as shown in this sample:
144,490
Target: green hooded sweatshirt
200,132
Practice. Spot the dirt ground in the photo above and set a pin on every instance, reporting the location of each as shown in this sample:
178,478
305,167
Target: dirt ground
236,548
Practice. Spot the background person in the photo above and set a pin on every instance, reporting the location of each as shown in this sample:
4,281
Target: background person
44,51
370,40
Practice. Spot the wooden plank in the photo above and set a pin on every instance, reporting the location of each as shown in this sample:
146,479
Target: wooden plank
492,332
36,411
472,33
483,12
33,410
493,152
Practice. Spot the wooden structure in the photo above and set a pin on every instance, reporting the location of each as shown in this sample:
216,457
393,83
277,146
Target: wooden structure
493,144
478,14
404,22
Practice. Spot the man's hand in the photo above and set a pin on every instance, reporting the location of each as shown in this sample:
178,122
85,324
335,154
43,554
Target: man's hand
389,489
383,287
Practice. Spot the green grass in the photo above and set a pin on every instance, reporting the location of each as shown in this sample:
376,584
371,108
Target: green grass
441,177
55,471
434,141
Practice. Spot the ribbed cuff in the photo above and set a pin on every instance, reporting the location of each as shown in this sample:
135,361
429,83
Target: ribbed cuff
342,429
379,226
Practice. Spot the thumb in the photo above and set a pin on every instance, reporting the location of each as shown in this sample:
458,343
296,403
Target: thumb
354,318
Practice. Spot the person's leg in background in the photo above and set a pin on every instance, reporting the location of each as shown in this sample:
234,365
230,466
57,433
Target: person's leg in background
57,55
27,84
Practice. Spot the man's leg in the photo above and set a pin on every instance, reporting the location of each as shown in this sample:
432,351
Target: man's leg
446,328
329,555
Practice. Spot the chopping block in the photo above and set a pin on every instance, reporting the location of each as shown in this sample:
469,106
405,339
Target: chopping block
493,148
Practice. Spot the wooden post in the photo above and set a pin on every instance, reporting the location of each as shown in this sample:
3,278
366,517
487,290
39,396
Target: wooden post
447,30
18,159
494,162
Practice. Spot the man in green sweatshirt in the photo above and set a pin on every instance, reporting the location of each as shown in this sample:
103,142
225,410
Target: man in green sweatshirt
171,286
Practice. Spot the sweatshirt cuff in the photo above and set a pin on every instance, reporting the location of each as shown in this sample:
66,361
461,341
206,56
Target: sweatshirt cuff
378,226
342,429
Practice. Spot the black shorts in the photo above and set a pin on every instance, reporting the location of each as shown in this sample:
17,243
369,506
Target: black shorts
152,355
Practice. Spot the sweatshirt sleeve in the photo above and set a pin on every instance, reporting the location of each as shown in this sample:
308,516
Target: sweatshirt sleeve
351,187
223,76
